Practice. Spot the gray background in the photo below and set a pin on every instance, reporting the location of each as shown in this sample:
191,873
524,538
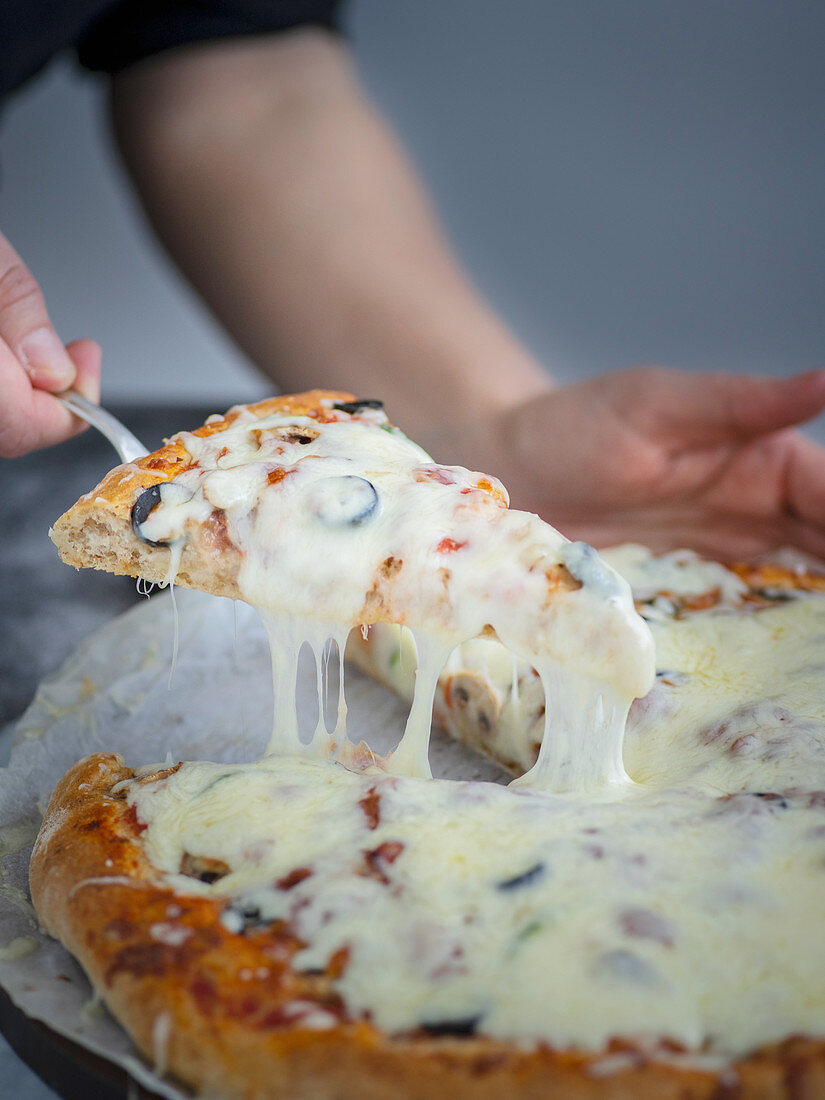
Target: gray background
627,182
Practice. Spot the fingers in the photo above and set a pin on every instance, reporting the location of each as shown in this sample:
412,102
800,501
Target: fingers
31,418
805,481
25,327
34,364
681,409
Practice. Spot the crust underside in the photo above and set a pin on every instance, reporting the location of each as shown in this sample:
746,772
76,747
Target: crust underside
96,532
184,1001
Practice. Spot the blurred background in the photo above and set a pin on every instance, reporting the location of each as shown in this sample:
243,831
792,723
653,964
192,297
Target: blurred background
627,183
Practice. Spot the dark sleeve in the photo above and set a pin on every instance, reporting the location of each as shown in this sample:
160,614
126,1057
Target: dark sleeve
130,30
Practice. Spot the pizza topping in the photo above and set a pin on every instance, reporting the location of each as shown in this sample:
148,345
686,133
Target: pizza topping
443,927
203,868
347,500
171,494
378,859
302,436
460,1029
286,882
353,407
449,546
645,924
370,805
442,474
148,499
242,917
624,967
537,871
684,575
132,820
338,962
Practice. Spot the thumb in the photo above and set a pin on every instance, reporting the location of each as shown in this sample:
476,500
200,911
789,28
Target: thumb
685,409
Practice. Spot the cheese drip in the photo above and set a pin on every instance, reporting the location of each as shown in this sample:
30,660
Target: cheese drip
737,703
346,522
287,636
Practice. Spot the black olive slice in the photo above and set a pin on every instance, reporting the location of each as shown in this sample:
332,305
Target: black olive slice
165,492
591,571
461,1028
770,796
352,407
148,500
526,879
346,501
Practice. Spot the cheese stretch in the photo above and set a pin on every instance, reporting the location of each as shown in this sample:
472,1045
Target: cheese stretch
342,521
737,703
686,909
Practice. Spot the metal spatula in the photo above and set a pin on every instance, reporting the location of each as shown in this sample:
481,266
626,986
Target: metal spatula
128,446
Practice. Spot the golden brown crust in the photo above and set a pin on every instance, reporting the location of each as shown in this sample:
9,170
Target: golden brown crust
170,971
765,576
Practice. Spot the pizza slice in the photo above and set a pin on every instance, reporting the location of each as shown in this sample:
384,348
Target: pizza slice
325,517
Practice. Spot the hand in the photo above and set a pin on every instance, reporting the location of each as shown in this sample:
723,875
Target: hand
34,364
670,459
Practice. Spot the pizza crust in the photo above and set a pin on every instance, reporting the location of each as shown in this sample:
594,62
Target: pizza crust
97,532
178,980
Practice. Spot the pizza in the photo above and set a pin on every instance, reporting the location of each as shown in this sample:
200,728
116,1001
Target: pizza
638,914
322,515
298,928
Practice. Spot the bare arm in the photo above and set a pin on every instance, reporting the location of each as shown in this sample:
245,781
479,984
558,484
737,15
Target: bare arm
295,213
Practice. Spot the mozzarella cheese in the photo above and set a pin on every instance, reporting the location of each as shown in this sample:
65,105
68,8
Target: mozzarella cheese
343,520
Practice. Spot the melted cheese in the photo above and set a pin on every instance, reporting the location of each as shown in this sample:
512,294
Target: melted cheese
346,521
538,917
737,703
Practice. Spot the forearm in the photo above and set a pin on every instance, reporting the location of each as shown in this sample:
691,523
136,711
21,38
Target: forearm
296,215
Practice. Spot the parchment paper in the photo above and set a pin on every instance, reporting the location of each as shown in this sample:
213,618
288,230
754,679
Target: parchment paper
115,693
